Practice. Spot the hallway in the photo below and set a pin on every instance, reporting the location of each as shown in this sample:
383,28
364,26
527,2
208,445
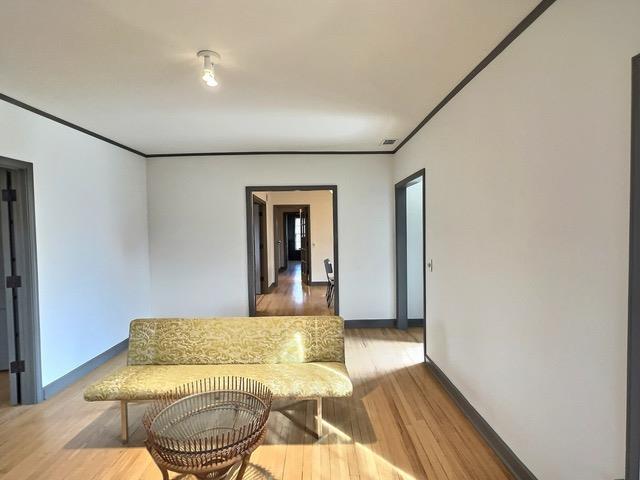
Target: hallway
291,297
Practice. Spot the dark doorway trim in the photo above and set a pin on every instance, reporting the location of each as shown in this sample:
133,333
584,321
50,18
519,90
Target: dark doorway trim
632,467
402,318
27,299
249,191
264,263
279,211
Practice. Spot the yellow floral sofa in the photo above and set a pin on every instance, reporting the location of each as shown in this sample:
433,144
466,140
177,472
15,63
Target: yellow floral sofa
296,357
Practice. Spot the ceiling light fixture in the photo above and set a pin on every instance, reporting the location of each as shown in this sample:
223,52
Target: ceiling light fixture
208,73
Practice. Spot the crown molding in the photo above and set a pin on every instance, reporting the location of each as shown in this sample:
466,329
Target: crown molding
61,121
273,152
508,40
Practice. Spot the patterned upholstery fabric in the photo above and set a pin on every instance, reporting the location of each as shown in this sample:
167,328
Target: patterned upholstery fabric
297,357
291,380
201,341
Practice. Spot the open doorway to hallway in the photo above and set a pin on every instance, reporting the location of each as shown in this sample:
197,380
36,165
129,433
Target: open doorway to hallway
411,252
293,258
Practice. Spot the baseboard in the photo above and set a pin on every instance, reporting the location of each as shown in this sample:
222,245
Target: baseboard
271,287
77,373
518,469
371,323
318,284
381,323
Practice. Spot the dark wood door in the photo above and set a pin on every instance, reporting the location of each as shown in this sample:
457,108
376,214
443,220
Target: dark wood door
305,253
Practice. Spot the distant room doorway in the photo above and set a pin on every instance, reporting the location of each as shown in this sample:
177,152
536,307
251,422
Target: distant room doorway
410,253
302,251
291,236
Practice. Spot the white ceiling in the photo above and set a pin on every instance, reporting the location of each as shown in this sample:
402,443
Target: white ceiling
295,74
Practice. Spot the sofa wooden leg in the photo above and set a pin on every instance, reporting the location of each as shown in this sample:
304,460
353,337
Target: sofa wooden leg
319,416
124,421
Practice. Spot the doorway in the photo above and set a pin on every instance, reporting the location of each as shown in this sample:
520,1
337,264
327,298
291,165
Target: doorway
632,467
291,234
302,248
20,377
411,268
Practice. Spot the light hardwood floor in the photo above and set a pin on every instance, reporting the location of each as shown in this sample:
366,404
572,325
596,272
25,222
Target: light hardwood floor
399,424
292,297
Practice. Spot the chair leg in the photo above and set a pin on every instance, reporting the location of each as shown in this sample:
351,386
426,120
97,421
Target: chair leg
124,421
329,294
319,416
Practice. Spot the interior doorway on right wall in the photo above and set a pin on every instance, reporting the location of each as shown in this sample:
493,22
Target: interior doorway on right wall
410,252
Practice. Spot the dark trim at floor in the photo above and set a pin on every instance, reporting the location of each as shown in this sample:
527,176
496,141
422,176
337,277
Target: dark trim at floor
380,323
77,373
518,469
318,284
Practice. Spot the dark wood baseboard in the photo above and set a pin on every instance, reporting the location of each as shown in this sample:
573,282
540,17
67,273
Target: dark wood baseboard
380,323
77,373
371,323
518,469
318,284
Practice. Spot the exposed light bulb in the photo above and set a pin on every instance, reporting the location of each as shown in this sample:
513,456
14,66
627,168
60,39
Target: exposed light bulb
208,73
209,77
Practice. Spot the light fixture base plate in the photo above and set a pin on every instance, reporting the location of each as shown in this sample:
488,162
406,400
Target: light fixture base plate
210,53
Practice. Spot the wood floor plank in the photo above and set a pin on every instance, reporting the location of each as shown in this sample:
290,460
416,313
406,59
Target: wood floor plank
399,424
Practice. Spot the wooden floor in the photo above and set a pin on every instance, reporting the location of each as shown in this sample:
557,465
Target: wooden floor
292,297
399,424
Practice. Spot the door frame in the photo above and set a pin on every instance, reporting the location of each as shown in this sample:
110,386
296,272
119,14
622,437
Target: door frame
283,210
402,318
249,191
264,258
28,320
632,464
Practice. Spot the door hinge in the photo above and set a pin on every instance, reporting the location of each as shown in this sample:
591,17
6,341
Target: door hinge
14,281
17,366
9,195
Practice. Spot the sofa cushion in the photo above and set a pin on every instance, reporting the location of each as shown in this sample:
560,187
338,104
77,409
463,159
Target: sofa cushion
228,340
291,380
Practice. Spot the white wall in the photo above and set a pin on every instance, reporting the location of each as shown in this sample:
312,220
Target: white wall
527,222
415,254
198,234
91,233
321,213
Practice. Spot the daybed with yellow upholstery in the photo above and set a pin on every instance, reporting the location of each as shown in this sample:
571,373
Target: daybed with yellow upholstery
296,357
